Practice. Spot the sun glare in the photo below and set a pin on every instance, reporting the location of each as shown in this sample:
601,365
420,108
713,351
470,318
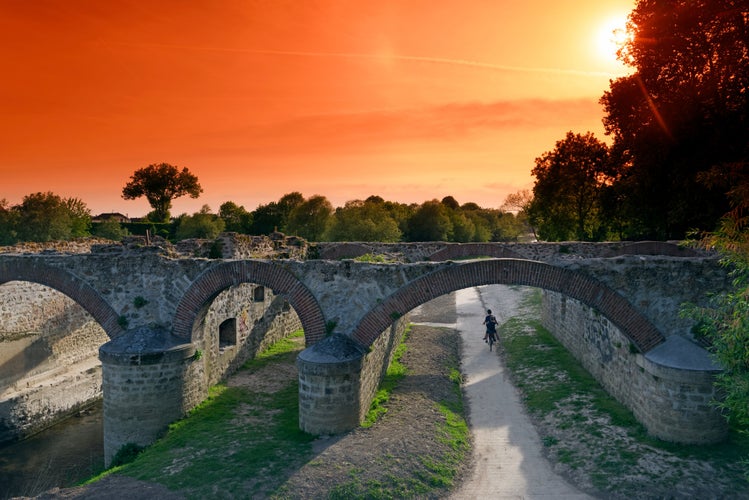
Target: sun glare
611,36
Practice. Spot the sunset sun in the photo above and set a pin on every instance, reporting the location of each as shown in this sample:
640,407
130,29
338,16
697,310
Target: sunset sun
610,37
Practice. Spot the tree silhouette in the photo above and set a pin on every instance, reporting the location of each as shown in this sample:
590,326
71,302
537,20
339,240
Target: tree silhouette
161,183
683,111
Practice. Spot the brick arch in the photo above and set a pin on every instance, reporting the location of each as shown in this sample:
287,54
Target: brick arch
463,250
214,280
511,272
66,283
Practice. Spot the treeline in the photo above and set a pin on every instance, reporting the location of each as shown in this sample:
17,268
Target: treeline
46,216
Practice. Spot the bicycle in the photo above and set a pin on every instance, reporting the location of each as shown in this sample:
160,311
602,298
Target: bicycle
491,338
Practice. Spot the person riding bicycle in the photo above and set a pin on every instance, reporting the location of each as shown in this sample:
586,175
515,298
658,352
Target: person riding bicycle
491,326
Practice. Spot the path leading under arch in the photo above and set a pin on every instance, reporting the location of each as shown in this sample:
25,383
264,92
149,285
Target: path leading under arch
508,461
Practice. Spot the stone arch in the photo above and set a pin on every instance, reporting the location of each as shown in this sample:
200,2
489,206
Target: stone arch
463,250
214,280
66,283
616,308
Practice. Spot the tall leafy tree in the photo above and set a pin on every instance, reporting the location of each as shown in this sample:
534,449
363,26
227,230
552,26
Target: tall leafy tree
286,204
235,217
683,111
566,194
160,183
430,222
266,219
311,218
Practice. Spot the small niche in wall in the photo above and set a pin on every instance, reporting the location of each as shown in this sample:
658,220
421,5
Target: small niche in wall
258,295
227,333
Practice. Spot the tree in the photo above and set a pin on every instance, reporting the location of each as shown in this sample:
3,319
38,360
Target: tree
683,111
519,203
275,215
266,218
725,325
80,217
235,217
161,183
430,222
566,194
202,224
286,204
310,219
363,221
46,217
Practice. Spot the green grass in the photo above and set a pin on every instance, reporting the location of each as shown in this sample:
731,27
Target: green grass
233,442
433,473
237,442
395,372
552,380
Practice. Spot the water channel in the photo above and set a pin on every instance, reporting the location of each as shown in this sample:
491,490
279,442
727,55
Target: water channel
62,455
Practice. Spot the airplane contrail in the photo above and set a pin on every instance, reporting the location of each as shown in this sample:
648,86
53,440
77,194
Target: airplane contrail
400,57
427,59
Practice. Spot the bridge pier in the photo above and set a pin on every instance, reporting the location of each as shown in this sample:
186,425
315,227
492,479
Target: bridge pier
149,381
338,378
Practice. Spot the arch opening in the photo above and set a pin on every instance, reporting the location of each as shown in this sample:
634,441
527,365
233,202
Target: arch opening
590,292
49,358
238,323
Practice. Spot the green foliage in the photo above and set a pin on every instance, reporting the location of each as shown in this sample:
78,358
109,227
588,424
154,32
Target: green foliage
566,201
123,322
109,229
235,217
165,229
395,372
139,302
363,221
44,217
202,224
430,222
373,258
310,219
160,184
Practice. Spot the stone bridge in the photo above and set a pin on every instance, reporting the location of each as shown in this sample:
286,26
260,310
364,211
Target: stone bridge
152,303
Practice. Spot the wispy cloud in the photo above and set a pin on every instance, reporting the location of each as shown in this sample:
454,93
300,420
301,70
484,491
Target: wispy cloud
379,129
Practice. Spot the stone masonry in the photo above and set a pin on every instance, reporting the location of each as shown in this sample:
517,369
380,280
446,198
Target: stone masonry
178,319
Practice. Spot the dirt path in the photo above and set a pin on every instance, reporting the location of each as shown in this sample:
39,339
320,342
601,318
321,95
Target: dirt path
507,454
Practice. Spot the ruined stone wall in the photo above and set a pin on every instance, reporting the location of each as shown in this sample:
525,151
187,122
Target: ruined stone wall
672,402
337,381
254,316
541,251
377,361
49,366
145,392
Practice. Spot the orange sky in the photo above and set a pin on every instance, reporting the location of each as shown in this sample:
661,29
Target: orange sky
407,99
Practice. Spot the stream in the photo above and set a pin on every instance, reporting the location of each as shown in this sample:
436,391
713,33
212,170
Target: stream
60,456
